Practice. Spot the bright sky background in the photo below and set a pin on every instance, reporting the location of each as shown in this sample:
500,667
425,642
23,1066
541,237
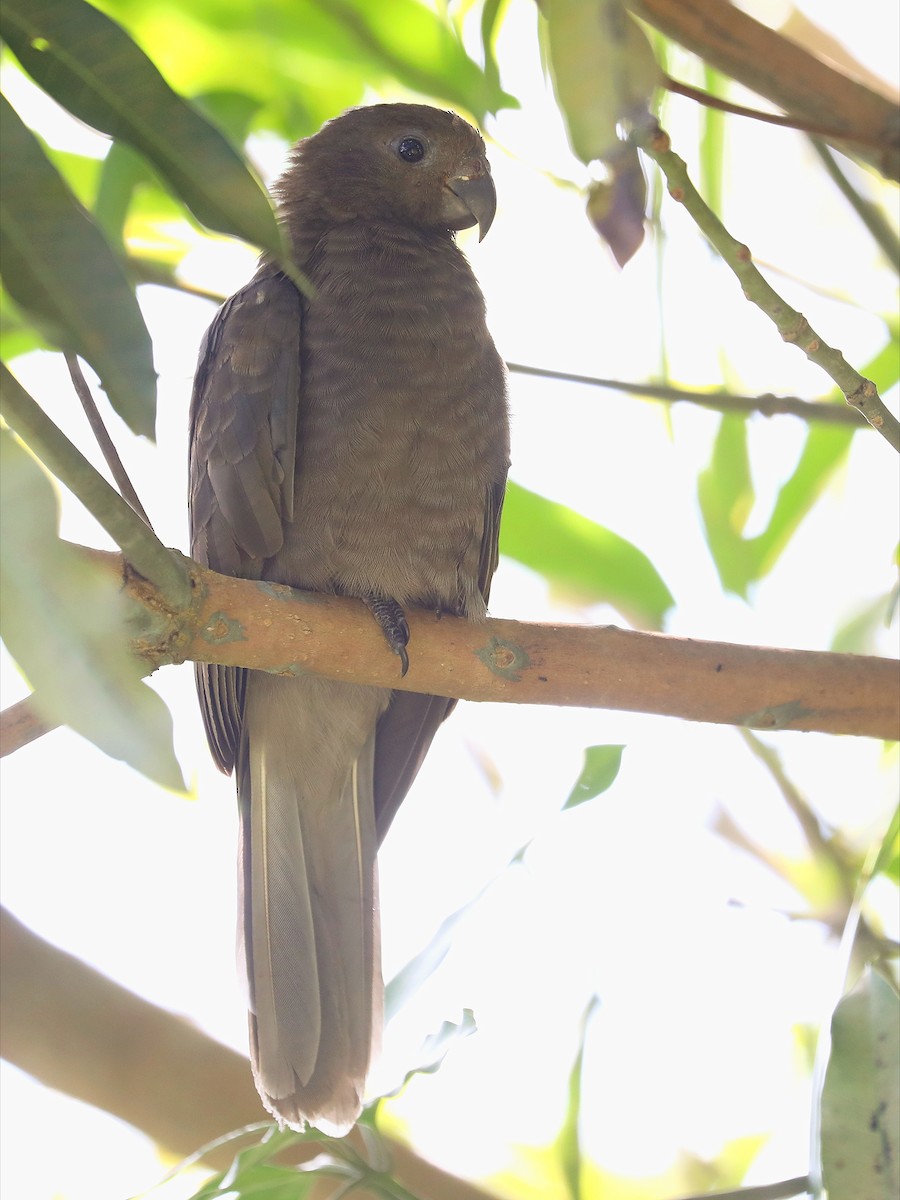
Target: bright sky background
700,971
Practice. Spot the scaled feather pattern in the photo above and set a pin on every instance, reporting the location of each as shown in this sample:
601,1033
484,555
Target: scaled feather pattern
354,443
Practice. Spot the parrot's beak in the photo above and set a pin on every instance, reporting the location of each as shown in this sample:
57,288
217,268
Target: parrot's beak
475,199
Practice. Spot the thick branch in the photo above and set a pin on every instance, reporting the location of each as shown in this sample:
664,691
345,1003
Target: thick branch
240,622
245,623
77,1031
784,72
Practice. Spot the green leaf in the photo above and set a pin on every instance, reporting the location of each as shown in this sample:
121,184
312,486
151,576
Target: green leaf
601,766
825,449
712,141
603,68
121,173
435,1048
421,50
91,66
888,860
568,1140
725,488
725,494
63,620
422,966
584,559
492,13
58,267
17,334
860,1118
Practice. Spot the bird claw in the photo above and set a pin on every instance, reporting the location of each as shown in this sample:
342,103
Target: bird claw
392,620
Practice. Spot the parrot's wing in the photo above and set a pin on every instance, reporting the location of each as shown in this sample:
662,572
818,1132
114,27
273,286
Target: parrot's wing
243,448
406,729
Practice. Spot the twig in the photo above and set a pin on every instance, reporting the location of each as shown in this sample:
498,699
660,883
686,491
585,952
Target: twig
780,69
105,442
792,325
820,846
140,545
741,110
870,215
20,724
767,405
783,1190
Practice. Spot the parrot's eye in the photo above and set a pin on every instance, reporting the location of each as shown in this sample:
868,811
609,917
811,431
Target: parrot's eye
411,150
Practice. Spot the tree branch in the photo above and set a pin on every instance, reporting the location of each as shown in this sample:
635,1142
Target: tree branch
20,724
792,325
141,546
784,72
708,100
718,401
104,441
269,627
77,1031
870,214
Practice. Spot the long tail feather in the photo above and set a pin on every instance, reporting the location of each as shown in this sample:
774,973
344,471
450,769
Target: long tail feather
309,909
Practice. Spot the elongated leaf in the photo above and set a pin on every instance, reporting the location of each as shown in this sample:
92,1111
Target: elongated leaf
603,68
63,620
422,966
434,1050
568,1140
415,44
601,766
583,558
888,860
58,267
91,66
17,334
825,449
861,1095
120,174
712,140
725,493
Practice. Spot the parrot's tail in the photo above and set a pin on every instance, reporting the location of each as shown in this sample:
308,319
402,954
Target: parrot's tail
309,911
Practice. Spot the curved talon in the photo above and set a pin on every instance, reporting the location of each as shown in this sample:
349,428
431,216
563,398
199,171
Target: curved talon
392,619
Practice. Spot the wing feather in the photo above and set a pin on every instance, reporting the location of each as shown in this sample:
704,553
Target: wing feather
243,449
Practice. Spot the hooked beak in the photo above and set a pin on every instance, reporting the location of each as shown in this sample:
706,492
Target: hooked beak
473,201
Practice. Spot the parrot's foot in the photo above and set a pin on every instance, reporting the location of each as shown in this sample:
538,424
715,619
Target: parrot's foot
392,619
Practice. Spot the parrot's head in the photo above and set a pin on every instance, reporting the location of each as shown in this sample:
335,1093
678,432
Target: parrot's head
420,166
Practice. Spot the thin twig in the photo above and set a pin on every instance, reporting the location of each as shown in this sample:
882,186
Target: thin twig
820,846
105,442
718,401
784,72
870,215
20,724
783,1190
792,325
139,544
767,405
741,110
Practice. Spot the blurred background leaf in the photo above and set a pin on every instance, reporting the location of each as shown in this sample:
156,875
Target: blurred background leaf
57,266
64,621
583,561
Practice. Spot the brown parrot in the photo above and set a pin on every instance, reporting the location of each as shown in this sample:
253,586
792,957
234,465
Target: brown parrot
353,442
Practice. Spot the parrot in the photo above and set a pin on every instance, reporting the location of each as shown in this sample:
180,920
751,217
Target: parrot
350,439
